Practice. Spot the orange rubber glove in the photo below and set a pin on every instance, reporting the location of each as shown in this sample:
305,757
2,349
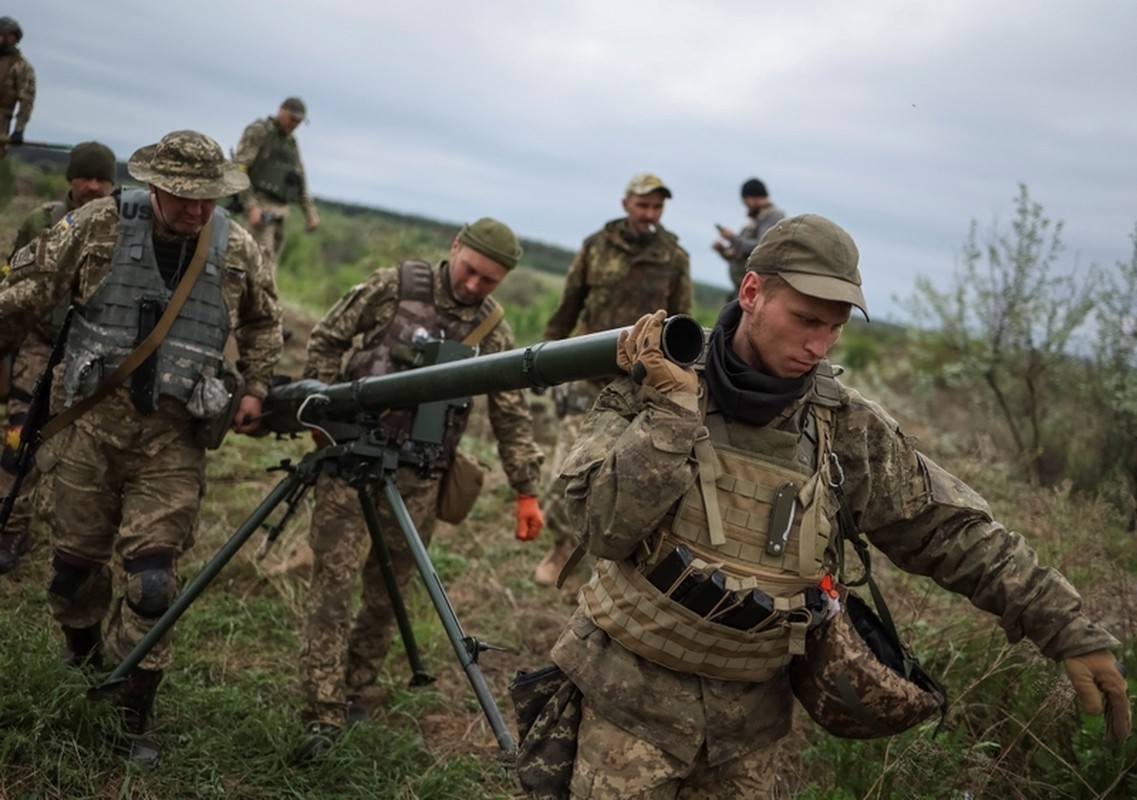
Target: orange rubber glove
640,354
319,438
1094,675
530,520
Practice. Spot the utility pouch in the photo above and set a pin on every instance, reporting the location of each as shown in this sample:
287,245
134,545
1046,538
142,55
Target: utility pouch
142,379
548,717
460,488
214,402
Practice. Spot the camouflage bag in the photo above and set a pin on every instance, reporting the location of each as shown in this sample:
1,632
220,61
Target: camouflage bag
460,488
548,716
857,680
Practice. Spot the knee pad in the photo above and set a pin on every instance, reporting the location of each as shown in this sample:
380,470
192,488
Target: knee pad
150,584
69,574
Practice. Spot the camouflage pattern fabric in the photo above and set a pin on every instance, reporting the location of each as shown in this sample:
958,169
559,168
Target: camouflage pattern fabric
339,656
580,396
17,88
612,763
924,519
30,362
360,320
548,717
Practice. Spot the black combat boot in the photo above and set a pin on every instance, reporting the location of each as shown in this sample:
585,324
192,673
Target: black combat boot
84,647
137,703
13,547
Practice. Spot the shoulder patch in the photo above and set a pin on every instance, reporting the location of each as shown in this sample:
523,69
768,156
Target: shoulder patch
65,223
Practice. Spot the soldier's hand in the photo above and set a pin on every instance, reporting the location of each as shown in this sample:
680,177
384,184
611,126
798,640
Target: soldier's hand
530,520
248,417
1099,674
254,215
313,221
17,137
640,354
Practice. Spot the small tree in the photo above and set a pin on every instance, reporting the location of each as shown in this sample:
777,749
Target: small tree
1006,322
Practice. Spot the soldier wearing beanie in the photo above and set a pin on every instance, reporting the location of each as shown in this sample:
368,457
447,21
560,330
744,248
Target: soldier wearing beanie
17,85
90,175
269,154
126,458
628,268
373,330
761,216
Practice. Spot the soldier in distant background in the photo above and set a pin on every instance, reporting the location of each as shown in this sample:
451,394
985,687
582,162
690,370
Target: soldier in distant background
90,175
371,331
763,215
268,152
17,85
630,267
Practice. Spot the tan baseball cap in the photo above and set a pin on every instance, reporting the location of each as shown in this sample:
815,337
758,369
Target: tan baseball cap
296,107
815,256
645,183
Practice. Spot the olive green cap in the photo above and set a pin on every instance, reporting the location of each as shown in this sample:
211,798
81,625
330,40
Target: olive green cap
493,239
814,256
645,183
91,160
188,164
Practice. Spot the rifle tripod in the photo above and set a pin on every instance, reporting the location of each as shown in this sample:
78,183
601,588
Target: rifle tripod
378,461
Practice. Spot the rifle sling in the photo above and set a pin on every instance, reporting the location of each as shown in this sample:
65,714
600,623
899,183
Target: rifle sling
474,337
146,347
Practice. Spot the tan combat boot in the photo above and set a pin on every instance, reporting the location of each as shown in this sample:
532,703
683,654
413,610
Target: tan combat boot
552,564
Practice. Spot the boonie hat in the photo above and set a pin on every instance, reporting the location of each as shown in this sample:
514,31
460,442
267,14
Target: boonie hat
493,239
187,164
645,183
814,256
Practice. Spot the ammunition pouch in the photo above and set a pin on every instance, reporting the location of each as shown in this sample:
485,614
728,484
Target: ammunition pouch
857,682
460,488
213,403
548,717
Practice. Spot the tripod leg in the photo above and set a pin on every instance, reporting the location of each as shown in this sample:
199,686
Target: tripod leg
380,551
464,646
198,584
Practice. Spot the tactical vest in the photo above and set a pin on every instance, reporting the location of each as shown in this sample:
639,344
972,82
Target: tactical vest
106,329
276,169
415,315
730,539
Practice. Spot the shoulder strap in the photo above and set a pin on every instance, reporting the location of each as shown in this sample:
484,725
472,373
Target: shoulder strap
148,345
474,337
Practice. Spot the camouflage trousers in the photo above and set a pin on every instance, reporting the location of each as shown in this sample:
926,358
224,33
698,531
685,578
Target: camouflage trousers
577,399
30,362
342,657
269,237
613,764
123,503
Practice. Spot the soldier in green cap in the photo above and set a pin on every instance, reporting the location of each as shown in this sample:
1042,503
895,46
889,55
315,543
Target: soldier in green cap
714,497
369,332
90,175
17,85
269,153
628,268
126,455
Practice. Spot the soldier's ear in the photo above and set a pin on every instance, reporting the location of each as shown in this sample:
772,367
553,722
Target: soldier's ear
749,291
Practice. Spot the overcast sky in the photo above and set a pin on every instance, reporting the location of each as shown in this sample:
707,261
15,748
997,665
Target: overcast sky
901,121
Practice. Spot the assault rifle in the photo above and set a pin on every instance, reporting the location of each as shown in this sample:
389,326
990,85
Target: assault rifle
347,414
19,462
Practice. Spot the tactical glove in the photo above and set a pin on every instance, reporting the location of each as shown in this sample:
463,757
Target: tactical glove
640,354
1096,674
530,520
17,137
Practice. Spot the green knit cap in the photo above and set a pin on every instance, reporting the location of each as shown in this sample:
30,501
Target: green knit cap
91,160
493,239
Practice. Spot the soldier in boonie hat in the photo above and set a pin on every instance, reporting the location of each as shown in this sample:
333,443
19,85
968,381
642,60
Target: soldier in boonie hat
187,164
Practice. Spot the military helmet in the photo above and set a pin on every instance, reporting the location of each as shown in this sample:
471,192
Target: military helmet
857,682
9,25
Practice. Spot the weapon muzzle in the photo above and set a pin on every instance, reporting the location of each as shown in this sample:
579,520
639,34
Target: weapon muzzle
682,341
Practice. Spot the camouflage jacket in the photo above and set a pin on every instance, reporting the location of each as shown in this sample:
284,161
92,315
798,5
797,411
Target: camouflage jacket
41,218
360,320
17,88
614,280
253,139
74,257
925,520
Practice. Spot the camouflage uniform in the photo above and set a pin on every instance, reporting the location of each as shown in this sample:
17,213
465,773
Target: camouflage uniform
925,520
263,140
17,87
334,657
27,366
614,280
747,239
128,484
